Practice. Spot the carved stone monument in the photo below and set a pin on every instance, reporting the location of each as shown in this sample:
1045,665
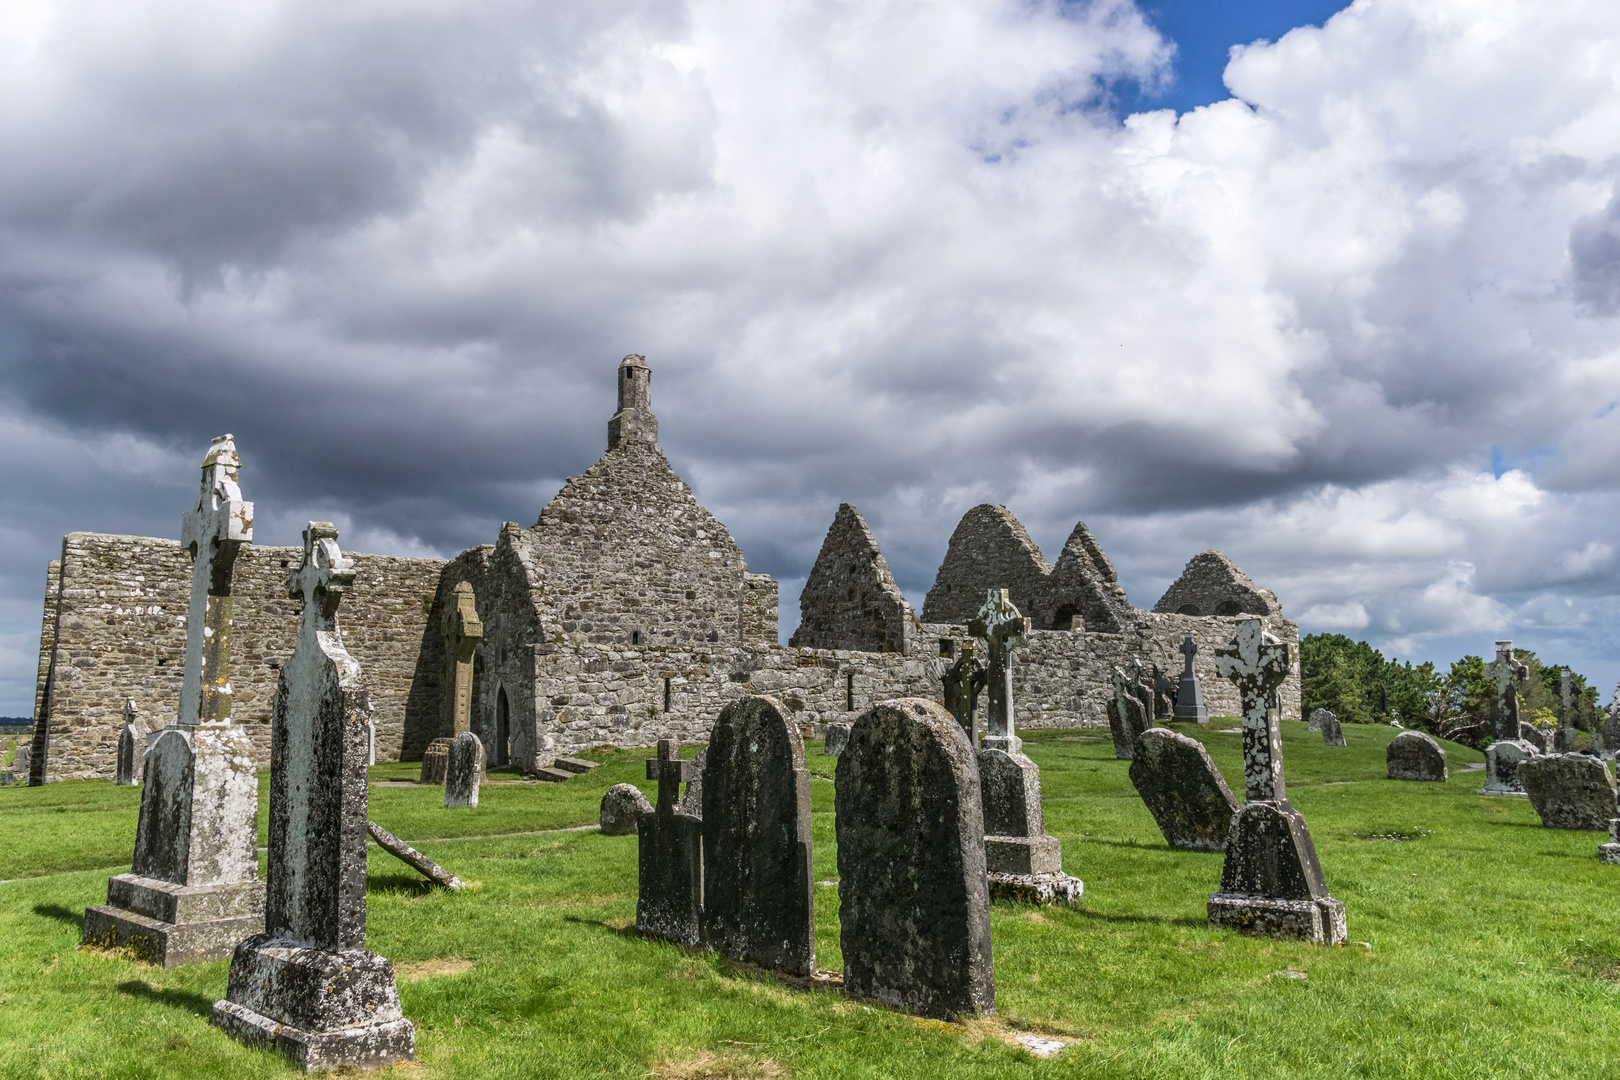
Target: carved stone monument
670,861
462,631
963,681
1190,705
914,904
1185,793
1126,717
1412,755
307,985
465,769
758,903
193,891
1504,756
1272,882
131,746
1570,791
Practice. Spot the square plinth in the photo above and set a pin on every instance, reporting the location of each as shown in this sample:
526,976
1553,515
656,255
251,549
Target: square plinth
373,1046
1057,888
1023,855
1320,921
170,925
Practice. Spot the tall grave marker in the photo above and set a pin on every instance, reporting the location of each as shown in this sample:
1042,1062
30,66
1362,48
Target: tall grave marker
1190,705
963,681
306,984
1504,756
462,631
193,891
1126,717
1271,882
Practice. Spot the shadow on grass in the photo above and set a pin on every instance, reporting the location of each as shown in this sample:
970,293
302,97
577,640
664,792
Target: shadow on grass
177,999
60,914
1086,913
626,931
398,885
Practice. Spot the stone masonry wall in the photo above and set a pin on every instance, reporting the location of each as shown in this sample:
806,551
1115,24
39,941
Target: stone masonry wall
119,633
851,600
1212,584
989,549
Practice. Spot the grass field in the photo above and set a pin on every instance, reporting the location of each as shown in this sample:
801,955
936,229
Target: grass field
1483,945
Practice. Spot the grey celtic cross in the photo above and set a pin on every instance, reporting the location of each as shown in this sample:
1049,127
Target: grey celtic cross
671,773
1189,649
964,681
1257,664
1509,675
999,627
214,533
321,579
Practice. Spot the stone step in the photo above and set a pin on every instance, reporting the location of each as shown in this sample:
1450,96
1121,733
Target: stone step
551,775
574,764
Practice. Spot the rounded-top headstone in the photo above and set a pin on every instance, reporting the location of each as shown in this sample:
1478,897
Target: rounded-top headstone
913,889
1183,790
621,805
1318,717
1412,755
463,771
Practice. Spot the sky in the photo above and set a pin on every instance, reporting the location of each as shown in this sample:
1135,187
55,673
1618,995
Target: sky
1332,291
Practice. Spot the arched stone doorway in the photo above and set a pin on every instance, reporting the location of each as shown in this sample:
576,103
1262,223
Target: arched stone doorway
503,729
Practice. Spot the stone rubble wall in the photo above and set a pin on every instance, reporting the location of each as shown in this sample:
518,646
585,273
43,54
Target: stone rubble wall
851,600
120,627
989,549
1213,584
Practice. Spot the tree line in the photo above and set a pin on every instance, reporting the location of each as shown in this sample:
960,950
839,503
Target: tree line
1355,682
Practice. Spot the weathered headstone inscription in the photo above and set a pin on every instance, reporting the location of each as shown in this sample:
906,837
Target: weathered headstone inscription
964,680
914,905
1272,882
1024,863
1504,756
465,769
1183,790
131,746
758,901
1570,791
1412,755
193,891
1126,717
622,804
670,859
307,985
1190,705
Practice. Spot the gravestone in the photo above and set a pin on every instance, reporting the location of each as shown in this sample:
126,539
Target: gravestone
837,738
417,861
1163,691
1610,852
1570,791
1504,756
307,986
435,761
193,891
1533,735
1190,705
1412,755
1183,790
914,909
465,769
1318,717
1609,730
622,804
1141,685
758,904
1271,883
670,854
462,631
1332,733
691,803
1023,862
20,763
131,746
1126,718
963,682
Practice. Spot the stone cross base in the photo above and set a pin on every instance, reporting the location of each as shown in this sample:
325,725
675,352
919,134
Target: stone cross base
1319,921
1610,852
169,925
435,762
323,1010
1023,854
1502,760
1058,888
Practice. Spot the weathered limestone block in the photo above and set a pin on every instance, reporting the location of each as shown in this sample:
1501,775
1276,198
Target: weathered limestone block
1610,852
307,986
622,804
435,762
1412,755
1318,718
915,906
1126,717
1185,793
1570,791
463,771
417,861
837,739
669,895
1503,759
758,903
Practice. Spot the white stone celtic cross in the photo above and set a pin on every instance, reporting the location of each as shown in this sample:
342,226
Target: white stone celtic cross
319,581
1257,664
214,533
1509,675
999,629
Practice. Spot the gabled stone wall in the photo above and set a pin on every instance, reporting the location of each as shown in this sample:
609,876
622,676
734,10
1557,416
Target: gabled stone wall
850,600
989,549
1212,584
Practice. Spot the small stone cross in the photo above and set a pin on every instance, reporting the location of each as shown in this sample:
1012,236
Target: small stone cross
1257,664
214,532
999,627
320,580
1509,675
964,681
1189,649
671,773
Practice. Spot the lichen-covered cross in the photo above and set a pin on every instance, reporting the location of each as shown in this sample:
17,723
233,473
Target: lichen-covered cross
214,532
1257,664
1189,649
1509,674
320,581
999,628
671,773
963,682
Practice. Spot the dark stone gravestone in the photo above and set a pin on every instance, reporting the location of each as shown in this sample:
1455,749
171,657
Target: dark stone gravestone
307,986
963,683
914,904
1332,733
193,891
435,760
1163,690
1570,791
622,805
1504,756
1183,790
1412,755
837,738
692,802
670,860
131,747
1318,717
463,771
757,887
1190,705
1126,717
1272,882
1141,685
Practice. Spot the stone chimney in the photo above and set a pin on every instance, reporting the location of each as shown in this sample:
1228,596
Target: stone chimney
634,422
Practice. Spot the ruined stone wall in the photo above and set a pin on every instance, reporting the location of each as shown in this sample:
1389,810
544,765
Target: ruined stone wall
47,634
989,549
758,617
1212,584
120,629
851,600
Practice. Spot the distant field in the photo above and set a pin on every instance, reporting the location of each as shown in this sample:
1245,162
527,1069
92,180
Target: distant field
1485,945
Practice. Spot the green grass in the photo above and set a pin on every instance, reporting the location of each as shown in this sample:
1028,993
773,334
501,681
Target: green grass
1494,946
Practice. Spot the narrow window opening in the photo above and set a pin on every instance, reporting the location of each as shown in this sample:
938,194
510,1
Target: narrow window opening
947,647
666,693
849,692
635,637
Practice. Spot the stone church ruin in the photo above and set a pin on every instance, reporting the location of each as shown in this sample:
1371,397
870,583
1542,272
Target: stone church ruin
624,615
